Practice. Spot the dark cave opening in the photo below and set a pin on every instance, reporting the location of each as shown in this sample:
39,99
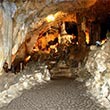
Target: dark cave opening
104,30
71,28
105,27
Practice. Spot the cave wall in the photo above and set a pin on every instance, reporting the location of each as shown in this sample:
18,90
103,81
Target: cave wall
23,19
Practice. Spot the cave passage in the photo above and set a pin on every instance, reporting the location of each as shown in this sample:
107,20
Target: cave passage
62,40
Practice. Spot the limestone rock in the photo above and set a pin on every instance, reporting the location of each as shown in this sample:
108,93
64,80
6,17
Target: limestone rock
21,16
98,65
14,85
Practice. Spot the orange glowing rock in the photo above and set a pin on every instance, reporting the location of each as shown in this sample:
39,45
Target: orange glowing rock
27,58
87,37
103,41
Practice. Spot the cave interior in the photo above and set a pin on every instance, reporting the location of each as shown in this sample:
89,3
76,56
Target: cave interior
65,36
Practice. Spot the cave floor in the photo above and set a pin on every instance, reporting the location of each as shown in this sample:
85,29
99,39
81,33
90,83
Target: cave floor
58,94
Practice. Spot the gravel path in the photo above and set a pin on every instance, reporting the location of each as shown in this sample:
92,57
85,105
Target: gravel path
63,94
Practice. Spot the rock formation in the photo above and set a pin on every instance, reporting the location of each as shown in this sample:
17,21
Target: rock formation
20,18
32,29
98,65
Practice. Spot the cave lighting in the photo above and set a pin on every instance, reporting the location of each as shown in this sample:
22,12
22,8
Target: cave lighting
77,43
50,18
103,41
27,58
87,37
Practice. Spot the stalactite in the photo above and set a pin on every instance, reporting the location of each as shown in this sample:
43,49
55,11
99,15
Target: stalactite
6,34
12,34
1,40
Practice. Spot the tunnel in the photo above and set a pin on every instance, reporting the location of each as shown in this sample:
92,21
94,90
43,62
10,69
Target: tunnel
55,45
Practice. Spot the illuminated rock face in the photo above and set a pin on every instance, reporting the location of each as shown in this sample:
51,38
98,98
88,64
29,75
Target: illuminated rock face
18,18
20,25
6,33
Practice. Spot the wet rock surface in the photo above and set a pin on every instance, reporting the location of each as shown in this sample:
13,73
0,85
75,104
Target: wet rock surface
64,94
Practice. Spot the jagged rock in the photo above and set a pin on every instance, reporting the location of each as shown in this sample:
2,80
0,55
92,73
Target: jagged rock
93,47
97,65
14,85
20,17
23,21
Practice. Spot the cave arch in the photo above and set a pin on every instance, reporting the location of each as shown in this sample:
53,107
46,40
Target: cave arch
23,27
41,25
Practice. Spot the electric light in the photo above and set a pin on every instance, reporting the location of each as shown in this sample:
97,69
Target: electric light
50,18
